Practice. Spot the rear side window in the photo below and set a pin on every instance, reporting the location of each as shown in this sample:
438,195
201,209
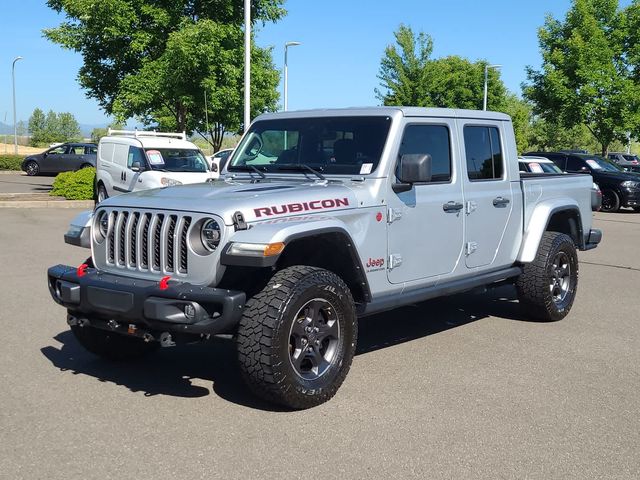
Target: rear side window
106,152
91,150
484,153
574,164
121,154
432,140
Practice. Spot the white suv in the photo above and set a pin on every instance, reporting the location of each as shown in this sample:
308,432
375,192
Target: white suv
129,161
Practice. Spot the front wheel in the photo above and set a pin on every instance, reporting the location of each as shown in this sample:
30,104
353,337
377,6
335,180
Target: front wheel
102,193
32,168
112,346
297,337
548,285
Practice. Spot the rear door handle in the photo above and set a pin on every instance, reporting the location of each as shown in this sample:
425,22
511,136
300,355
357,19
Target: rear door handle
501,202
452,207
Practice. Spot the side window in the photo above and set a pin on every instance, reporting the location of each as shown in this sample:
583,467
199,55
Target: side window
61,150
76,150
90,150
136,155
106,152
121,154
433,140
574,164
484,153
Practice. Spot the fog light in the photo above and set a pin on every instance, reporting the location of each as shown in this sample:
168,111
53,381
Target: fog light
190,311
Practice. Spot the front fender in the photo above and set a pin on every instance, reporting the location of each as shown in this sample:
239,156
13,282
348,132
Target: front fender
538,222
79,233
276,231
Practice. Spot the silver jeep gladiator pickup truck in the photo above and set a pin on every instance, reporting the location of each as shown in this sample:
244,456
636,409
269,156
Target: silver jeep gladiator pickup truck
321,218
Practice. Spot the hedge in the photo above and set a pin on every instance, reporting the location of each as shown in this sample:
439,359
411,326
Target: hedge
75,185
10,162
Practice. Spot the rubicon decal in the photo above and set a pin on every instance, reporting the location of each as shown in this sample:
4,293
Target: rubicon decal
301,207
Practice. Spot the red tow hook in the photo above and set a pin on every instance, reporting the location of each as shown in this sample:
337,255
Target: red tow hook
82,270
164,283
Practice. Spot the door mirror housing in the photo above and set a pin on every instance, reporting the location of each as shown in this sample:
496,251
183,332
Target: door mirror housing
214,167
136,167
413,168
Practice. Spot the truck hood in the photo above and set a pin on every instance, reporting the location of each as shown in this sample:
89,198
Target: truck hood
256,201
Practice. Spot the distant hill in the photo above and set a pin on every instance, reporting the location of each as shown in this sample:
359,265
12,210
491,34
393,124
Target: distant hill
85,128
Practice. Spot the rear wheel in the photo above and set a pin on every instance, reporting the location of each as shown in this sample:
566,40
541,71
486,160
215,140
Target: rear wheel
112,346
32,168
610,201
548,285
297,337
85,165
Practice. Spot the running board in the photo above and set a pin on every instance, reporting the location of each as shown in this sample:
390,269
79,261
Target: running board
389,302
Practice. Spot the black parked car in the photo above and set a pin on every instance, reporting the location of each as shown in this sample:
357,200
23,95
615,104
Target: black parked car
61,158
619,188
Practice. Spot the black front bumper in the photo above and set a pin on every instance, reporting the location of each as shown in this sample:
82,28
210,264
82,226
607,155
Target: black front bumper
111,301
630,197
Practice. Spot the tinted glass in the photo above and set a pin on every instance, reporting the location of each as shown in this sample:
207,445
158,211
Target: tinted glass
574,164
58,150
91,150
432,140
484,153
331,145
76,150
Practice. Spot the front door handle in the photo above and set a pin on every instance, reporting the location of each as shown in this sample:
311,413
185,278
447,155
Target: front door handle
501,202
452,207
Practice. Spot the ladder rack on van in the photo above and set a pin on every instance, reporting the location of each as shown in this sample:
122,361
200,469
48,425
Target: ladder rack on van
144,133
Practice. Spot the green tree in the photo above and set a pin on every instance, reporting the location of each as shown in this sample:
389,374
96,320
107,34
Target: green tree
68,128
98,133
586,78
520,112
410,77
128,49
37,124
51,127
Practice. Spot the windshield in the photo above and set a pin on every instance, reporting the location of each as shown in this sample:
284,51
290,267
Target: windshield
599,163
328,145
630,158
176,160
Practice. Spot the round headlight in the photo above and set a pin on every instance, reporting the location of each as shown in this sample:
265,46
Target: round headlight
102,226
210,235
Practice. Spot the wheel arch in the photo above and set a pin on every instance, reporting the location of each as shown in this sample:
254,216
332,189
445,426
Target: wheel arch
555,218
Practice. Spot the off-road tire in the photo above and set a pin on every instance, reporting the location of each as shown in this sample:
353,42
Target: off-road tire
266,331
536,284
112,346
610,201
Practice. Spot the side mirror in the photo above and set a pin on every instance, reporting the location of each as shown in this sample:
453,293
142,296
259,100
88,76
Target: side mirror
413,168
136,167
214,167
584,170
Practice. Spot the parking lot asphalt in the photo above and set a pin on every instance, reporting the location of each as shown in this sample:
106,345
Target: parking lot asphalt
19,182
457,388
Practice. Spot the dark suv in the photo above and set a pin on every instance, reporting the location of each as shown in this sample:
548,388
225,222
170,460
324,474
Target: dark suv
619,188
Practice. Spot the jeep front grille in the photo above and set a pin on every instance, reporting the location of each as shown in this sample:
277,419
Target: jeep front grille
148,242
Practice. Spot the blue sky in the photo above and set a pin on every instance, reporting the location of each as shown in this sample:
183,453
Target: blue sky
343,42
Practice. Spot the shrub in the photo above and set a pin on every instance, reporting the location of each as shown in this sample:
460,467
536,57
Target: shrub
10,162
74,185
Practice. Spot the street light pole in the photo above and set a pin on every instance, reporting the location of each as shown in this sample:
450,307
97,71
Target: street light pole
286,72
247,64
486,83
15,122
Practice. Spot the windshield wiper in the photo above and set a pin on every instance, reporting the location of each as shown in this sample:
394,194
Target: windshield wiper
248,168
300,167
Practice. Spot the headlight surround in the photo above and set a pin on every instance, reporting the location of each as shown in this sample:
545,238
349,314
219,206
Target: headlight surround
169,182
210,234
630,184
101,226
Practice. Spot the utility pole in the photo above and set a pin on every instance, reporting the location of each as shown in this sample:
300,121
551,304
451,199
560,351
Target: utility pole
15,122
247,64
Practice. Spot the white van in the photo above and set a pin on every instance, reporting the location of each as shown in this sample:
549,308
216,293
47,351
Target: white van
129,161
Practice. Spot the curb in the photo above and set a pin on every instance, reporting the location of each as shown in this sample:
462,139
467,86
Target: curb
47,204
12,172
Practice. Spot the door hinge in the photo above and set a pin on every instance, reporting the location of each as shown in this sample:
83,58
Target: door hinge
395,260
394,214
471,207
471,248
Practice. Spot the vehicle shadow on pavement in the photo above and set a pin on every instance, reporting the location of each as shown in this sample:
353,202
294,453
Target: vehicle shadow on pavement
435,316
181,371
